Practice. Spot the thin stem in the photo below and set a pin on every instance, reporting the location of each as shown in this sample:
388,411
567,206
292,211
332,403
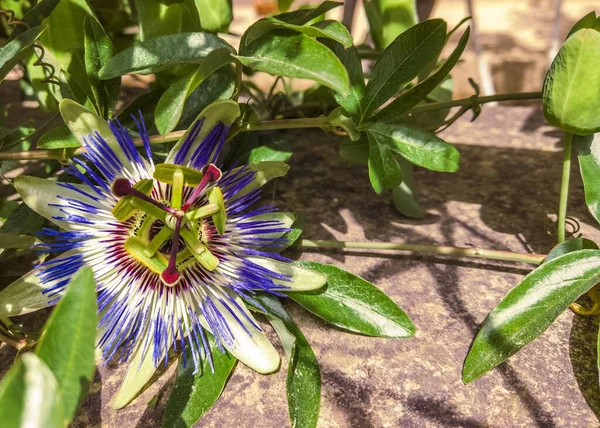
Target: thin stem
564,187
509,256
473,101
17,344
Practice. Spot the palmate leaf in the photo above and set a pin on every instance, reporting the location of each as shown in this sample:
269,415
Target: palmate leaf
393,112
303,382
349,302
409,54
14,50
418,147
195,393
30,395
171,104
160,52
571,93
286,53
588,150
68,343
529,309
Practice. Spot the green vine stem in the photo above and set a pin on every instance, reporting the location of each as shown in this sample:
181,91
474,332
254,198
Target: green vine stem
508,256
564,187
475,101
267,125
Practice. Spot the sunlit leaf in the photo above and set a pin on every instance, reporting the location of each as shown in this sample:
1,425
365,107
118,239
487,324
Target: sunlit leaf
30,395
571,94
14,50
288,54
351,303
384,171
529,309
402,61
170,106
158,53
68,343
419,147
303,382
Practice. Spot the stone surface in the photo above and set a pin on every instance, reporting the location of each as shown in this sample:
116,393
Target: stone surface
503,197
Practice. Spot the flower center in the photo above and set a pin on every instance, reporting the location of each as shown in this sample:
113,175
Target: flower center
169,237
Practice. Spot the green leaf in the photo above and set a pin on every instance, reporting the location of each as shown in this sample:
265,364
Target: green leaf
215,15
303,382
402,61
37,14
23,221
351,61
172,19
328,29
571,94
161,52
278,151
68,343
16,242
351,303
384,171
193,394
65,39
588,150
285,53
284,5
393,112
388,19
570,245
29,395
529,308
98,50
403,196
218,86
355,151
170,106
14,50
60,137
419,147
304,16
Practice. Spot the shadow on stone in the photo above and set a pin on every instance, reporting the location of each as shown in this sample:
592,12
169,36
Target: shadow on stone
583,352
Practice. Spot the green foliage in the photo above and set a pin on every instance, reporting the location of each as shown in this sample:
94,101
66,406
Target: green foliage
407,56
285,53
161,52
69,339
588,149
303,382
195,393
389,18
571,96
349,302
530,307
16,48
30,395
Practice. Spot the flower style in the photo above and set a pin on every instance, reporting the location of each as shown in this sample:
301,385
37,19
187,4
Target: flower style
176,248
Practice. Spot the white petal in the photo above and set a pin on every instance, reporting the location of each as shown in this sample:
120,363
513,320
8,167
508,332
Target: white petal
136,377
301,279
25,294
286,219
39,193
264,172
224,111
256,350
83,122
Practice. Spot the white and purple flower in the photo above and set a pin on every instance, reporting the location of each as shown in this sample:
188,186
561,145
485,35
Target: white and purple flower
176,248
